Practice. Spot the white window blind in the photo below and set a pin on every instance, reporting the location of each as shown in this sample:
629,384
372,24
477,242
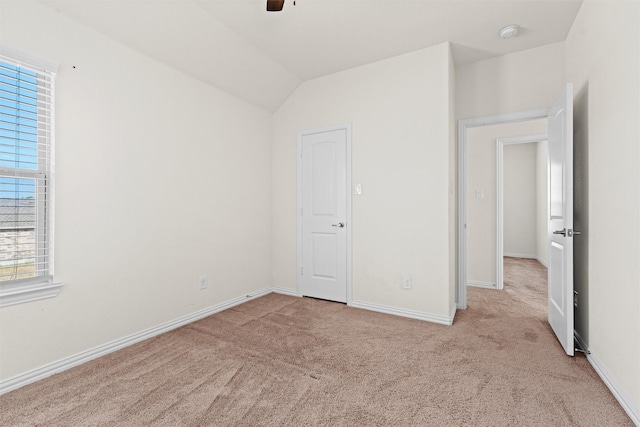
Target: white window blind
26,138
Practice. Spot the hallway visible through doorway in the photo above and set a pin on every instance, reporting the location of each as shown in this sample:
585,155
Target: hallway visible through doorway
526,279
525,283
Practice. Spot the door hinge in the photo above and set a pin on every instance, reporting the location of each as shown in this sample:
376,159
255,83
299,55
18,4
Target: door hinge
301,210
301,271
301,153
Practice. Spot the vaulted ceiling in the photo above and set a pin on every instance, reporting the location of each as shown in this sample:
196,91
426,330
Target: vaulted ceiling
261,57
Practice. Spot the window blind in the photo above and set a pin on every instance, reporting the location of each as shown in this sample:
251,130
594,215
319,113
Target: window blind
26,138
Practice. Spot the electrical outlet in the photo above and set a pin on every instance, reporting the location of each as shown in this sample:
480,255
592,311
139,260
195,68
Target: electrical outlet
203,282
406,282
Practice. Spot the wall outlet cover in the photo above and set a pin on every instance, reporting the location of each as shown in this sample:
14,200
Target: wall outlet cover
406,282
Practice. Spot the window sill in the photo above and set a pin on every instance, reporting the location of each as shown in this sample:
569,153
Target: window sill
11,295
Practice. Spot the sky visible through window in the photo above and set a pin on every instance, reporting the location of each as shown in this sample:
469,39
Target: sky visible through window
18,129
18,162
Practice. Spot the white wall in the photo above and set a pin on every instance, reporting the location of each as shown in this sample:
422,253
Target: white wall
133,203
520,200
453,192
401,139
160,179
481,213
526,231
603,62
521,81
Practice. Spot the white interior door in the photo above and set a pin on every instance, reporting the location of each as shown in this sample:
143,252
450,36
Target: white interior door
324,215
561,219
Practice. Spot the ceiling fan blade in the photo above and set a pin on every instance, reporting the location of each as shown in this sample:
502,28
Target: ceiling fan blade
275,5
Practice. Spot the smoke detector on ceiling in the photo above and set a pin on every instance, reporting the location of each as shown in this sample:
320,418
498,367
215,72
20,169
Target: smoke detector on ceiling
509,31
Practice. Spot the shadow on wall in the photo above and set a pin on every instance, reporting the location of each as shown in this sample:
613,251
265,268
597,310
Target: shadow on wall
581,210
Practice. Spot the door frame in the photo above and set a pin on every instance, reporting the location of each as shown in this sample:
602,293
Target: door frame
348,219
463,125
500,144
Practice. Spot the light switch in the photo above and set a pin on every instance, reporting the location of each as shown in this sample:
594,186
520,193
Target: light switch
479,194
358,188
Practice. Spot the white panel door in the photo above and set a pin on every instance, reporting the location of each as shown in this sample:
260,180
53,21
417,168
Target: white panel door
324,214
561,219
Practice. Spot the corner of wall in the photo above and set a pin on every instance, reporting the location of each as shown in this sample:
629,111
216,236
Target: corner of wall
452,190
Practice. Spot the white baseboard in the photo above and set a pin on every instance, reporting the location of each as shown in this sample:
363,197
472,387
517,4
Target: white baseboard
444,320
285,291
85,356
452,313
62,365
515,255
542,262
526,256
478,284
102,350
629,407
621,396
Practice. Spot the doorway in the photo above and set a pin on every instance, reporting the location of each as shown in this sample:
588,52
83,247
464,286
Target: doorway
560,271
522,207
324,214
463,192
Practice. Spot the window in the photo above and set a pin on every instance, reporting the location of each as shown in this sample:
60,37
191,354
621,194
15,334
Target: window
26,180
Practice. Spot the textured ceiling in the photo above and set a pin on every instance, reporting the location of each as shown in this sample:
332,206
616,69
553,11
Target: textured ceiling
262,57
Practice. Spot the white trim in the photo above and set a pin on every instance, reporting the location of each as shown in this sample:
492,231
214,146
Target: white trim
40,286
500,143
462,214
52,184
34,375
623,399
477,284
299,262
86,356
102,350
25,293
452,312
349,218
463,125
515,255
29,60
285,291
443,320
525,256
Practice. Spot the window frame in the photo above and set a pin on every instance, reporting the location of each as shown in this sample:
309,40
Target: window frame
39,287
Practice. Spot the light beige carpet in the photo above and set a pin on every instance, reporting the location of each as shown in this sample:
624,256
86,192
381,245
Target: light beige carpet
280,360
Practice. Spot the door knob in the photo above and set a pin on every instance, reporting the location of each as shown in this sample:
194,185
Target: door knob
568,232
339,225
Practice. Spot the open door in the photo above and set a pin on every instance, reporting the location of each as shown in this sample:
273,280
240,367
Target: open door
560,296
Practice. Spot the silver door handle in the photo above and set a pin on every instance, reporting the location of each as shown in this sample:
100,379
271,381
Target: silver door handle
568,232
563,232
339,225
